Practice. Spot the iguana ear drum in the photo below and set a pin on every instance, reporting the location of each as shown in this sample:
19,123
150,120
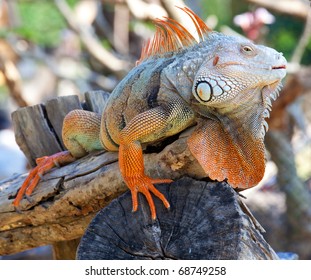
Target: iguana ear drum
203,91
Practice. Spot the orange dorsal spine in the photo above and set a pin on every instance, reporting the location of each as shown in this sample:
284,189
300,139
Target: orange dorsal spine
171,36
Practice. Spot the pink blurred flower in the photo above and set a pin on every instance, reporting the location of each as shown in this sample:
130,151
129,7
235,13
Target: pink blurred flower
252,22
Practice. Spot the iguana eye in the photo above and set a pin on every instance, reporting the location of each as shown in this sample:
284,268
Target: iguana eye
247,49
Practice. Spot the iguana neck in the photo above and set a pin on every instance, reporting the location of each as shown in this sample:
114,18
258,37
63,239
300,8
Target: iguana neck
238,120
228,143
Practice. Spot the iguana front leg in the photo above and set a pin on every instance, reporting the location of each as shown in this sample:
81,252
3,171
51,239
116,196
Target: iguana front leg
146,127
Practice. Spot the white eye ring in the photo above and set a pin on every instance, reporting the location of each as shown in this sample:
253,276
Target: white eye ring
204,91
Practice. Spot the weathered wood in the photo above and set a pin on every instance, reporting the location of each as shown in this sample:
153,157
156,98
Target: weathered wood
65,250
42,122
30,125
57,109
62,205
96,100
205,221
67,198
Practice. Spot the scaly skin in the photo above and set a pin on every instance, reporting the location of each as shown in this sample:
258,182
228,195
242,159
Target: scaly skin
222,83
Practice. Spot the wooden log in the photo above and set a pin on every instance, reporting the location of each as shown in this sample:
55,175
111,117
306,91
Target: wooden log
57,109
31,124
67,198
205,221
42,122
96,100
65,250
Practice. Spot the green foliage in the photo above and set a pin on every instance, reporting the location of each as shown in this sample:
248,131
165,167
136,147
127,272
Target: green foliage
306,59
3,96
41,23
284,34
105,43
222,9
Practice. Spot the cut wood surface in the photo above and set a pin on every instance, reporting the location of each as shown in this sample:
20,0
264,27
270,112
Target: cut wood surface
205,221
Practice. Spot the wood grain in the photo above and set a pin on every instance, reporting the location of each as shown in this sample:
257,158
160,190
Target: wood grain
205,221
57,109
96,100
31,124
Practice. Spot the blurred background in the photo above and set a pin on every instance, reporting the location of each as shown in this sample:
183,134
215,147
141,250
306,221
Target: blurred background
51,48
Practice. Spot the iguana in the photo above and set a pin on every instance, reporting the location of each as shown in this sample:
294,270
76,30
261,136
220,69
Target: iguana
222,84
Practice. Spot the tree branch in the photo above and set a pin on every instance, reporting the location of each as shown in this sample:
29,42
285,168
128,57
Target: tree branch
91,42
68,198
290,7
12,80
303,41
145,10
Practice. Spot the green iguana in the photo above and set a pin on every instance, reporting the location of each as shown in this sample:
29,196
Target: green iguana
222,84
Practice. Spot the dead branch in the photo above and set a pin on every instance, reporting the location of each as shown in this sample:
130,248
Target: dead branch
91,42
303,41
121,28
145,10
68,198
12,80
296,86
294,8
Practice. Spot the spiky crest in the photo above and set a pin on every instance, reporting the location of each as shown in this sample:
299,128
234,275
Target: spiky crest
171,36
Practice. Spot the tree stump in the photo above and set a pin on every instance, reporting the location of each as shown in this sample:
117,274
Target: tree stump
206,220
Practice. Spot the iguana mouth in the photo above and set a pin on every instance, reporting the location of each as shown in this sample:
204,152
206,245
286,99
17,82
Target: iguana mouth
279,67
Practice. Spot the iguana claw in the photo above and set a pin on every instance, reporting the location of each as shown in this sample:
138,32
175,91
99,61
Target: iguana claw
44,164
144,185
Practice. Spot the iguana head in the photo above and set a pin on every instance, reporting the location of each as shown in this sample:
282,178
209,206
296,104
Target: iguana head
236,65
239,75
